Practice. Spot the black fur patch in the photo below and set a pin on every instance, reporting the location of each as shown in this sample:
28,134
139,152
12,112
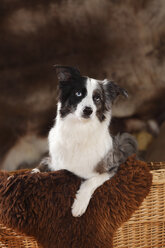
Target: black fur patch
68,98
71,84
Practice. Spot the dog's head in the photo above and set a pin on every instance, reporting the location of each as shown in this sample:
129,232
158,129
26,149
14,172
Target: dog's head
85,98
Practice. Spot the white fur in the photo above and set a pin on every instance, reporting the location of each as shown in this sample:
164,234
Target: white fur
87,101
78,145
85,192
10,177
35,170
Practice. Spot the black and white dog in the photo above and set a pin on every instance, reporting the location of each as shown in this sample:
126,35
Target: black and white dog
80,141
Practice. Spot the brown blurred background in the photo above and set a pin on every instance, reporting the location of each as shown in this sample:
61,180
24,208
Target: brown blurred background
120,40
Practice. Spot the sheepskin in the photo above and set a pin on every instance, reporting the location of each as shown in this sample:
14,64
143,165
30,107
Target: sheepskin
39,205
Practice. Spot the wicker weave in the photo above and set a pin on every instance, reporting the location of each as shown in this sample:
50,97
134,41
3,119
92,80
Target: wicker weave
145,229
9,238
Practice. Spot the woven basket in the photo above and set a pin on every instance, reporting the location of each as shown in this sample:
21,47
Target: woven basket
145,229
9,238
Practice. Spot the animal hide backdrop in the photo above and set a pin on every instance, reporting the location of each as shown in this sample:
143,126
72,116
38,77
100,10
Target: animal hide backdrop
119,40
39,205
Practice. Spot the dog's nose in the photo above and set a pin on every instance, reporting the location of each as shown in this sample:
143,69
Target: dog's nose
87,111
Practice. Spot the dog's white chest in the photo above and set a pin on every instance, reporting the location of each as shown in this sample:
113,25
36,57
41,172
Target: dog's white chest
78,148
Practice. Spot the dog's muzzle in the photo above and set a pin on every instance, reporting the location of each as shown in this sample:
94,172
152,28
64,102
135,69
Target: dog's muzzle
87,111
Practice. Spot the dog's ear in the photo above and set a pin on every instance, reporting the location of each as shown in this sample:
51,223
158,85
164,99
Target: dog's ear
112,90
66,73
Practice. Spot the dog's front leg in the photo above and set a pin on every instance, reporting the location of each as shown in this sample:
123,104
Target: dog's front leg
85,192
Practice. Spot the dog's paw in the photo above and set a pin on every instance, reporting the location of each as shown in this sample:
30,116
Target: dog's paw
35,170
79,206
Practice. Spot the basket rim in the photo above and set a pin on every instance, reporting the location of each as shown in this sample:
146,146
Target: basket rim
156,165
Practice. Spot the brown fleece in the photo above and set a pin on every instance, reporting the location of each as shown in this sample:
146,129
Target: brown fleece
39,205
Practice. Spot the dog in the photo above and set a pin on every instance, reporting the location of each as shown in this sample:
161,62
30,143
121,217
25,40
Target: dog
80,141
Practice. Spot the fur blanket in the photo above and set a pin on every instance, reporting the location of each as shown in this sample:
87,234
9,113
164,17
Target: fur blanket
39,205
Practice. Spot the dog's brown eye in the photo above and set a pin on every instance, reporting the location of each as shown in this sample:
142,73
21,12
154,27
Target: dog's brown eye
97,98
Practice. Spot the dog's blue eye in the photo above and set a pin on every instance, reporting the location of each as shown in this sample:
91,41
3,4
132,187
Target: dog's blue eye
78,93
